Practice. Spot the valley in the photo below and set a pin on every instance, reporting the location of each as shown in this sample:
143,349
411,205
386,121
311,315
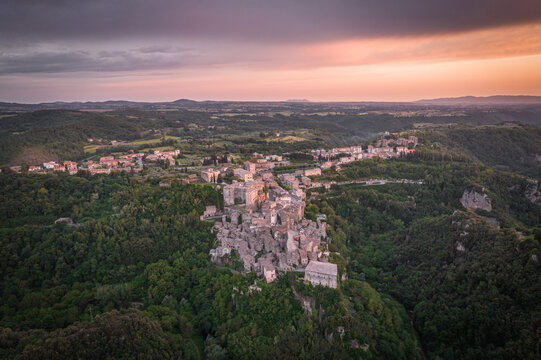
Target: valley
208,231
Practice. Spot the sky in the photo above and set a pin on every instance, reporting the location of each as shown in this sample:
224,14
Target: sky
321,50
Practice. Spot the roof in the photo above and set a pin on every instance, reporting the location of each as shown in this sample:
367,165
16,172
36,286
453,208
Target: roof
322,268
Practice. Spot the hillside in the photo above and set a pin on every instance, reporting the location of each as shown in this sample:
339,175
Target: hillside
45,135
469,277
495,100
69,291
34,137
509,147
422,271
55,134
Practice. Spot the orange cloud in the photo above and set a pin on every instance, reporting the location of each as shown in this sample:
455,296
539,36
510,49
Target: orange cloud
504,60
483,44
378,82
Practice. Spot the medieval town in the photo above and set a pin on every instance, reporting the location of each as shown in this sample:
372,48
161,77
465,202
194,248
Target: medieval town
263,227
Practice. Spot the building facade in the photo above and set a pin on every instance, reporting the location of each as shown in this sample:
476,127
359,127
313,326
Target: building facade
321,273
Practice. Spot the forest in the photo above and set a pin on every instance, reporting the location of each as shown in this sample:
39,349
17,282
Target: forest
507,147
208,129
131,278
472,286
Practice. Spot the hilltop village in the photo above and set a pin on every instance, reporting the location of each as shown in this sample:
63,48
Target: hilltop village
263,227
333,158
263,224
131,162
136,162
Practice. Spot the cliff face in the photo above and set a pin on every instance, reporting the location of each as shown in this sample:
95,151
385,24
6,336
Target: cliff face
308,303
474,200
532,191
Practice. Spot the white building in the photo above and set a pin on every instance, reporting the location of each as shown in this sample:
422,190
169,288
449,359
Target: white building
50,165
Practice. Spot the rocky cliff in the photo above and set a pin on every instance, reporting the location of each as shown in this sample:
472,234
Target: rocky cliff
474,200
532,191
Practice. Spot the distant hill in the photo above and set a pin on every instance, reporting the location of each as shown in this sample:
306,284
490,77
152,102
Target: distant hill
184,102
509,147
59,134
51,134
297,105
488,100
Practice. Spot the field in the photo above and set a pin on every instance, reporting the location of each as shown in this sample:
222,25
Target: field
150,141
90,149
287,139
159,148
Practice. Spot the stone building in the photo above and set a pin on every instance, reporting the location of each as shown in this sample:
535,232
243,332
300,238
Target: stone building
243,175
306,181
230,193
251,194
321,273
210,175
269,272
249,166
312,172
267,176
210,211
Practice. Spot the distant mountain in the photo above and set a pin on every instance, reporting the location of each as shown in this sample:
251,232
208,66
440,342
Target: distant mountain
183,101
497,100
101,105
488,100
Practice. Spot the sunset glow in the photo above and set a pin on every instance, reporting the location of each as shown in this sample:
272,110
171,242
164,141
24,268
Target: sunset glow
191,62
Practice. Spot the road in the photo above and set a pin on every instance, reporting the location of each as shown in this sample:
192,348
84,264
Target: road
370,182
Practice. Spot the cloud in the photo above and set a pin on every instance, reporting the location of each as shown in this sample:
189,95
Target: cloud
256,20
43,60
194,44
164,55
50,36
482,44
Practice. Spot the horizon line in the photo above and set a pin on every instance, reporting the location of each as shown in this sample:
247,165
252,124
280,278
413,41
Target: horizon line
299,101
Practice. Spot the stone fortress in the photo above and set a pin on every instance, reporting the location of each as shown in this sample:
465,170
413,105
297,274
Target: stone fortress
263,227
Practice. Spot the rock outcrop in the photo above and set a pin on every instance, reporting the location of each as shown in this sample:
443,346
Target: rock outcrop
532,191
308,303
474,200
